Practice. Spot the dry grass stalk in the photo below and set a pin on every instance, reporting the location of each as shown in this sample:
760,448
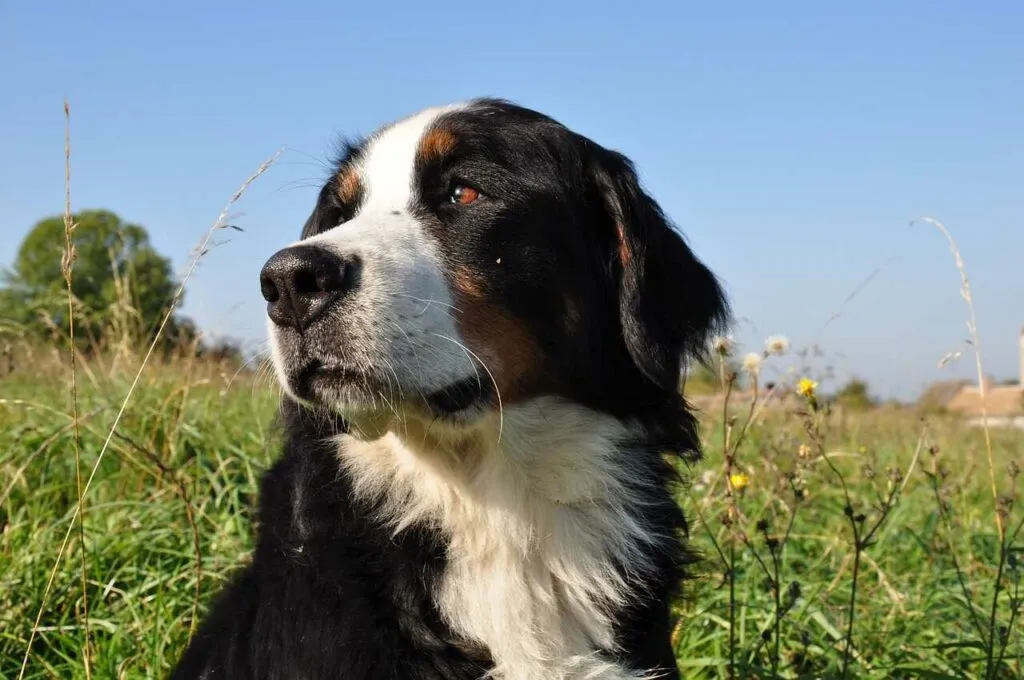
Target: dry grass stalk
198,254
972,328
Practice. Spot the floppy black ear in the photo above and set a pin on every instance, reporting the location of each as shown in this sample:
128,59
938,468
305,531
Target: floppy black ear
669,302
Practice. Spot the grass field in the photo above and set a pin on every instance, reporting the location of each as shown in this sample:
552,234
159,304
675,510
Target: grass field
167,517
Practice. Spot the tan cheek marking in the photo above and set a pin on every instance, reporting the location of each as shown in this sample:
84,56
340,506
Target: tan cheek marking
625,255
467,284
435,144
349,186
505,346
502,342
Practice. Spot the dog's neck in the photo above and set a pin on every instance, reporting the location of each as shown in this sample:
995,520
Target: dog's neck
542,508
546,449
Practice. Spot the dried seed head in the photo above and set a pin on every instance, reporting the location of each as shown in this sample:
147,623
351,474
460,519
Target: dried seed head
794,590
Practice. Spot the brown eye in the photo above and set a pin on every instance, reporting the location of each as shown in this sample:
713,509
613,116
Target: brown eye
464,195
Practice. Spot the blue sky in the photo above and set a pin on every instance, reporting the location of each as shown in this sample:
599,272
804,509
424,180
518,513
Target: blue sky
792,142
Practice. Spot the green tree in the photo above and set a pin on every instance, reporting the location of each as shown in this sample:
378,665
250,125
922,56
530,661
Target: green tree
855,395
120,283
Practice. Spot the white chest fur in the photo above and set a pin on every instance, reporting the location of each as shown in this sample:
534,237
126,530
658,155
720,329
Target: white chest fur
537,523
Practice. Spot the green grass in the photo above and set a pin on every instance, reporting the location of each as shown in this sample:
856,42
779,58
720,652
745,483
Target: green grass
185,459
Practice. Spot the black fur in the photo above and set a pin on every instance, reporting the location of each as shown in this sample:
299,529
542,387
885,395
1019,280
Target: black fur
329,594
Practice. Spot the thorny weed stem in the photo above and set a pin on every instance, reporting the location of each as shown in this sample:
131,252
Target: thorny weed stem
861,537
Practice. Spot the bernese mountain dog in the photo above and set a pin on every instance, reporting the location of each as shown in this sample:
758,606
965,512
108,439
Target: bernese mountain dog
480,337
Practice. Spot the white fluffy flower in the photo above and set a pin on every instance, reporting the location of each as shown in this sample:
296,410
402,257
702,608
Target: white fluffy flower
777,345
723,345
752,363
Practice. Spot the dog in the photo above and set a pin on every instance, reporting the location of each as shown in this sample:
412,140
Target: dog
480,338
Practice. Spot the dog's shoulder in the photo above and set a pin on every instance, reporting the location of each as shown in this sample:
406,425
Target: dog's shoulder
325,574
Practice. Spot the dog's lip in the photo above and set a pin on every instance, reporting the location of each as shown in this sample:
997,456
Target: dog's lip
346,373
459,395
319,371
317,375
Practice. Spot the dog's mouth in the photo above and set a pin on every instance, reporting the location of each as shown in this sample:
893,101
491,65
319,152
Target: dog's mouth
459,397
362,389
321,382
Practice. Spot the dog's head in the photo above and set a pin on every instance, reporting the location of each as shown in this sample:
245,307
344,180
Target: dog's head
481,255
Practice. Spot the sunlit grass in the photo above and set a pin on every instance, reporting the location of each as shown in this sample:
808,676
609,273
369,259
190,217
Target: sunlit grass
197,437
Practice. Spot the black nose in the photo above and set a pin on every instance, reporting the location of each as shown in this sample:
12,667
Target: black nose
300,282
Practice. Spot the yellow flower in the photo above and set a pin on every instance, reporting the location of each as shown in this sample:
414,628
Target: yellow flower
738,480
804,451
806,387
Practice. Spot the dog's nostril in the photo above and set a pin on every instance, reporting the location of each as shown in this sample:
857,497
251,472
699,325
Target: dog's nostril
332,279
306,282
268,289
326,281
324,277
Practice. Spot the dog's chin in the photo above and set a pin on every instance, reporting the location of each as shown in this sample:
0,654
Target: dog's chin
371,405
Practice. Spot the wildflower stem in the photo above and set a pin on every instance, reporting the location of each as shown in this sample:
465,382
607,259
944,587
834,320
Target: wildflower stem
848,648
993,635
952,553
750,417
777,627
727,382
711,535
772,574
732,606
778,585
1015,604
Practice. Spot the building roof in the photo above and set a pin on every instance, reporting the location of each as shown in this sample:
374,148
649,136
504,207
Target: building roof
1001,400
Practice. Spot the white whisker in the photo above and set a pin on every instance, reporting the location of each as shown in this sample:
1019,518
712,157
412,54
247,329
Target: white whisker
429,302
497,390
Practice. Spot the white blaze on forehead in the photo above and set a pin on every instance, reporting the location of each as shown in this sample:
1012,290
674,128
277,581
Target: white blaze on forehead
388,166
